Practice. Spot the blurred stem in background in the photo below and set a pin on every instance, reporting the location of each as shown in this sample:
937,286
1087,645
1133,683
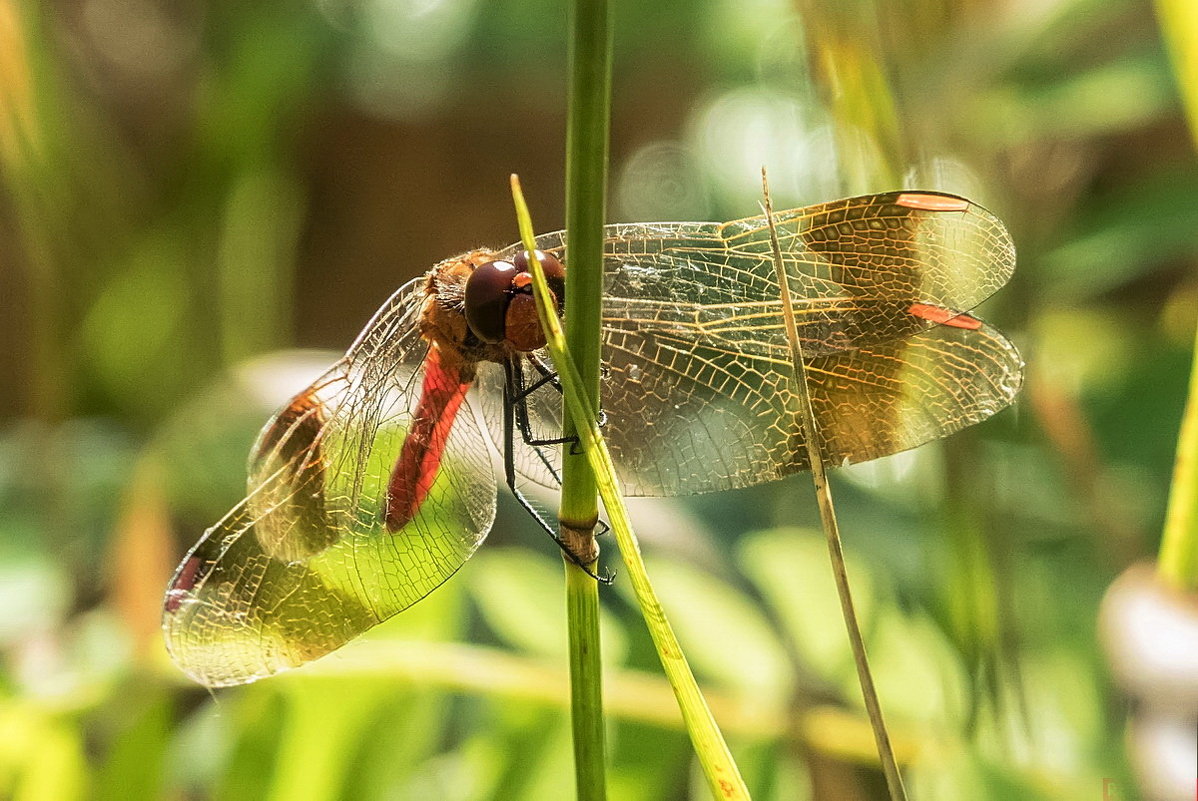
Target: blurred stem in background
977,596
848,65
634,695
1179,24
855,48
1178,561
587,124
27,95
34,136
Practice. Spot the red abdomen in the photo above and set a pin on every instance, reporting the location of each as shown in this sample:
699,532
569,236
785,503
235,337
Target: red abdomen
441,396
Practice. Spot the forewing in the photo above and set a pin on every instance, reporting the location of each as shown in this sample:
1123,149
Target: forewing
698,390
304,563
855,268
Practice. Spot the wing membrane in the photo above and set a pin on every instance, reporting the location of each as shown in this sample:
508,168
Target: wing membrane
702,418
305,563
698,396
687,416
855,267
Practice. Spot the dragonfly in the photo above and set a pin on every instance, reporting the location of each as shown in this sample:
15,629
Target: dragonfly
373,485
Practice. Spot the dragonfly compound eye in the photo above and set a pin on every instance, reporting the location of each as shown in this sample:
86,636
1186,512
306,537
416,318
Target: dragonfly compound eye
488,292
555,273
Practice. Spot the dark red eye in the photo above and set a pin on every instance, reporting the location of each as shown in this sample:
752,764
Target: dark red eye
488,290
555,273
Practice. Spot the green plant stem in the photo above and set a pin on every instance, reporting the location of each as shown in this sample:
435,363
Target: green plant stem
587,123
586,683
716,760
848,63
1177,563
1179,26
827,514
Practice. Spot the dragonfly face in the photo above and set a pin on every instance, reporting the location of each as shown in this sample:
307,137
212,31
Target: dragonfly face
373,485
498,300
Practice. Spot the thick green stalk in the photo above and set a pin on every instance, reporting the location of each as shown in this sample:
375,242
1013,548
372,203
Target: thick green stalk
586,683
586,202
587,123
716,760
1179,27
1177,562
1178,559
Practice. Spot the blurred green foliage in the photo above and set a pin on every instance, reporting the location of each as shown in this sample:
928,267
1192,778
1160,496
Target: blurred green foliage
187,186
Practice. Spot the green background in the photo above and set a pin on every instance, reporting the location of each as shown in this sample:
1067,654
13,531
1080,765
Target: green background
191,189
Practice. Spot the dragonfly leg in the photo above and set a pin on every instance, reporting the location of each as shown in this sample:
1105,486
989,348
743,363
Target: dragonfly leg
553,535
545,370
557,479
520,393
518,397
514,376
576,445
533,387
509,472
548,376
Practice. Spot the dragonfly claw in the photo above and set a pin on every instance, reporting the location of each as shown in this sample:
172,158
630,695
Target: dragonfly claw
605,578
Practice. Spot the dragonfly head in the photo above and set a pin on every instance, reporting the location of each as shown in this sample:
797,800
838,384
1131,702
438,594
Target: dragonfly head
498,300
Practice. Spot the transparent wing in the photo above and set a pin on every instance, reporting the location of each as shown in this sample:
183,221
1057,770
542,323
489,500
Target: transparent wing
701,417
698,394
304,563
855,267
687,417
